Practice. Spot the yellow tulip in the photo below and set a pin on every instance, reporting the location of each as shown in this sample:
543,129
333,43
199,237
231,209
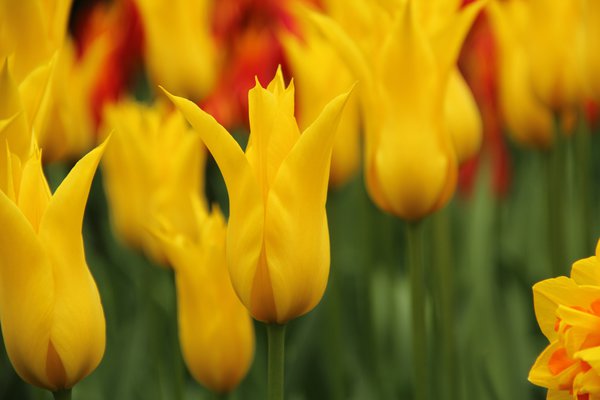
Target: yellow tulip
591,23
568,312
179,50
529,122
554,45
277,240
32,31
410,165
216,333
50,310
319,74
153,165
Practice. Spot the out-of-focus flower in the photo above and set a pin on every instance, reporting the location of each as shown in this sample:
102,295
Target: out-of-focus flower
479,62
553,39
50,310
277,240
591,26
529,122
568,312
179,50
153,166
319,74
247,34
31,32
68,128
111,34
410,165
216,333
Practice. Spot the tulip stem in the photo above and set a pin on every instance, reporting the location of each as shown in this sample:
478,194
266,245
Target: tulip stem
555,183
419,333
276,339
64,394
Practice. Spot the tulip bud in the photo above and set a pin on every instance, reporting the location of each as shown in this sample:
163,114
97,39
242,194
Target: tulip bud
277,240
216,333
50,310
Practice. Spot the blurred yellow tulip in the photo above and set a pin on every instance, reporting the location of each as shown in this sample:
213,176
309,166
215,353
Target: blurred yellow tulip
179,50
553,37
153,166
319,74
32,31
216,332
50,310
410,165
591,24
529,122
277,240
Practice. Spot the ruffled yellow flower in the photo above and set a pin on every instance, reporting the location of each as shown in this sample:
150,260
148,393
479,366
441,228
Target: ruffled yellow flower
410,164
179,50
568,312
528,120
216,333
50,310
153,166
277,240
319,74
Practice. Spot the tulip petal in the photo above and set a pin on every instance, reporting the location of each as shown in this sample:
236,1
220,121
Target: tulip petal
78,331
246,219
448,41
273,129
34,193
296,234
26,295
17,133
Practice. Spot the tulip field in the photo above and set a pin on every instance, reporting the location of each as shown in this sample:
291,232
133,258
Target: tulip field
300,199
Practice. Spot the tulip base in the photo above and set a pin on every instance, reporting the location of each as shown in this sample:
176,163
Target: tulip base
64,394
276,344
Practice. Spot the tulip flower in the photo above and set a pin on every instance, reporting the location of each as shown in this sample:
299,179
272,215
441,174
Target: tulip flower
216,333
32,31
568,312
591,24
410,164
153,165
318,75
554,44
277,240
179,51
50,310
528,120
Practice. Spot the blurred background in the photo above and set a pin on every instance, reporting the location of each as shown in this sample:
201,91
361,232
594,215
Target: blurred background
497,235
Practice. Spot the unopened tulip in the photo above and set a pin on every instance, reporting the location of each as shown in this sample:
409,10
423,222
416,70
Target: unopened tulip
153,165
528,120
50,310
410,164
277,240
216,333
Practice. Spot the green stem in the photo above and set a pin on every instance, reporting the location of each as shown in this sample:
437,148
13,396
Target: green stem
64,394
276,339
417,281
443,275
555,182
